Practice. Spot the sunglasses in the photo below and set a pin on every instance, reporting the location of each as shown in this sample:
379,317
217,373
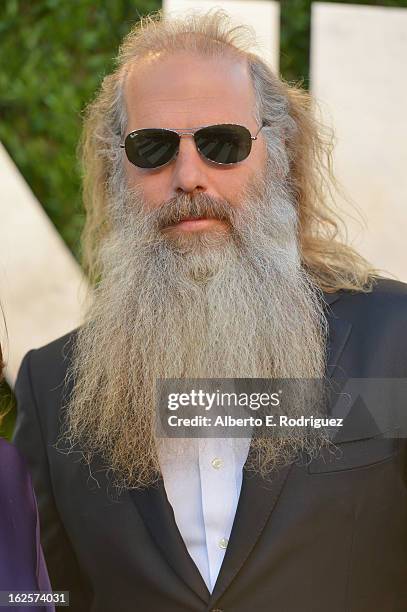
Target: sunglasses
223,144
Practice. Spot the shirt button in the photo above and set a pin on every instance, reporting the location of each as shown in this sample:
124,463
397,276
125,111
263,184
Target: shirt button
217,463
223,542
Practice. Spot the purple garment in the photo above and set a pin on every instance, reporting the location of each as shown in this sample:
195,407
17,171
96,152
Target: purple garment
22,564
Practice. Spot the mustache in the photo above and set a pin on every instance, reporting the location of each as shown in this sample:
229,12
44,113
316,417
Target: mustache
185,206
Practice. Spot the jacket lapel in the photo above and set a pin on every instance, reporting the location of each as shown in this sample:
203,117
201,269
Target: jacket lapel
256,503
257,500
258,497
157,513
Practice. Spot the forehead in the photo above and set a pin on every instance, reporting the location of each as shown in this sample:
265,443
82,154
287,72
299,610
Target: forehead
185,90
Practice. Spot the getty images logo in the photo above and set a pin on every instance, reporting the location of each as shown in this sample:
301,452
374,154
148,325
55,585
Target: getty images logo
207,401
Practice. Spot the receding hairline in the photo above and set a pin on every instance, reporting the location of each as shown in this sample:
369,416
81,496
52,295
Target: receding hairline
232,55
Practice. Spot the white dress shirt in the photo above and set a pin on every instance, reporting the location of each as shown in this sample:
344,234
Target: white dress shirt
203,486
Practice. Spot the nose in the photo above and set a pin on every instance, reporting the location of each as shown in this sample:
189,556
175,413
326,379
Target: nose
189,170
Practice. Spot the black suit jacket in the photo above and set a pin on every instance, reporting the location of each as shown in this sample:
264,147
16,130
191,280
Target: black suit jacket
330,536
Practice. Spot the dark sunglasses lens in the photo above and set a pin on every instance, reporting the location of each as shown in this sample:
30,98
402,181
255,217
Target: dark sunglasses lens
224,144
151,148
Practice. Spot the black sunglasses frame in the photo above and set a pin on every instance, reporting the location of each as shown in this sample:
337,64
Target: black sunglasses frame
191,132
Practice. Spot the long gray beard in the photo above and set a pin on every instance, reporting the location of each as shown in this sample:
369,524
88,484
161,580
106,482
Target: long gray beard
235,305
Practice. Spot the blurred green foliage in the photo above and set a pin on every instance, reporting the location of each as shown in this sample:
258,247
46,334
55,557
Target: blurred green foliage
53,56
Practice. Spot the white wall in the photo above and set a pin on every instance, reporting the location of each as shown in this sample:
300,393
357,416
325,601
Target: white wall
262,15
358,71
41,285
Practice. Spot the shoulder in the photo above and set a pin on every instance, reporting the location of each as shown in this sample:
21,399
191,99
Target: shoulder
377,322
384,289
47,366
388,298
41,386
54,353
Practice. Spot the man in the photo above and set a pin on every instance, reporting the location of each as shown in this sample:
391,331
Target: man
215,256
